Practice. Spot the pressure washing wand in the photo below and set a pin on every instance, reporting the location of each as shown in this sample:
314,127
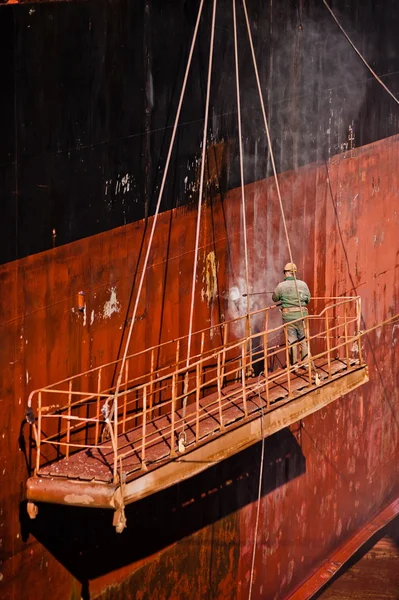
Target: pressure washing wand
256,294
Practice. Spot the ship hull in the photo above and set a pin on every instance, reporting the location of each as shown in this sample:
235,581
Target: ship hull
323,478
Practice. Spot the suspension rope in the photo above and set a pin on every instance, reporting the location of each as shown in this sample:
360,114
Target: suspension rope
202,177
118,384
244,217
359,53
291,260
262,457
271,154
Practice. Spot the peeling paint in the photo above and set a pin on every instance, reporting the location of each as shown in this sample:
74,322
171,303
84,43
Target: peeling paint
394,338
112,305
78,499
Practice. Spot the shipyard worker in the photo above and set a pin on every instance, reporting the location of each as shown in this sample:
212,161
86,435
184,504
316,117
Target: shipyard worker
293,308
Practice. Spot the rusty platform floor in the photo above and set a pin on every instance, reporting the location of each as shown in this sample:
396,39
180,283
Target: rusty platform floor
96,465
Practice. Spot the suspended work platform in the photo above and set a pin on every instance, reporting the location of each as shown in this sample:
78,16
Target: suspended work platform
95,447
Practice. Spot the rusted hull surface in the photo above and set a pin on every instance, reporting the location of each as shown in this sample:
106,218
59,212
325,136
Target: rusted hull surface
197,539
86,118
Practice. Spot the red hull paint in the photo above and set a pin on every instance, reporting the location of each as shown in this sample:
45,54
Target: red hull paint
344,235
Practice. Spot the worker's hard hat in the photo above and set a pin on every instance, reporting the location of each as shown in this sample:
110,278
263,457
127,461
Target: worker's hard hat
290,267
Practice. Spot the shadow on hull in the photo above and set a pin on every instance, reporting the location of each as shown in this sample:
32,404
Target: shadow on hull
84,541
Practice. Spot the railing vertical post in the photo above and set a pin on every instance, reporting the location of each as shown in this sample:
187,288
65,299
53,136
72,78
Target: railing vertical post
346,336
202,342
39,431
173,417
143,466
265,357
68,436
224,351
201,353
152,379
328,345
97,429
219,376
249,339
125,396
115,438
197,399
310,360
358,324
243,380
177,365
287,360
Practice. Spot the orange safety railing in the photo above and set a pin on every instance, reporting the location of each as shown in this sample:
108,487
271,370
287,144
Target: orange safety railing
83,412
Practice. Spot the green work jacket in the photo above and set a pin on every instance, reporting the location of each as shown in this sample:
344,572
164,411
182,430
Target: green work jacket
286,293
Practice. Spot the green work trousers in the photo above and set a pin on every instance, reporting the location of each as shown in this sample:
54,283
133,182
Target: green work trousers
295,334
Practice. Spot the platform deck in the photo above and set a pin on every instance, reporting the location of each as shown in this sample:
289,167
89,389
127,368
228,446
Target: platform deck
96,465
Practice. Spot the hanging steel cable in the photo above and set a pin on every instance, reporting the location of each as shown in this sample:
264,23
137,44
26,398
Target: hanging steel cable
359,54
154,222
201,189
290,256
271,152
261,464
244,216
